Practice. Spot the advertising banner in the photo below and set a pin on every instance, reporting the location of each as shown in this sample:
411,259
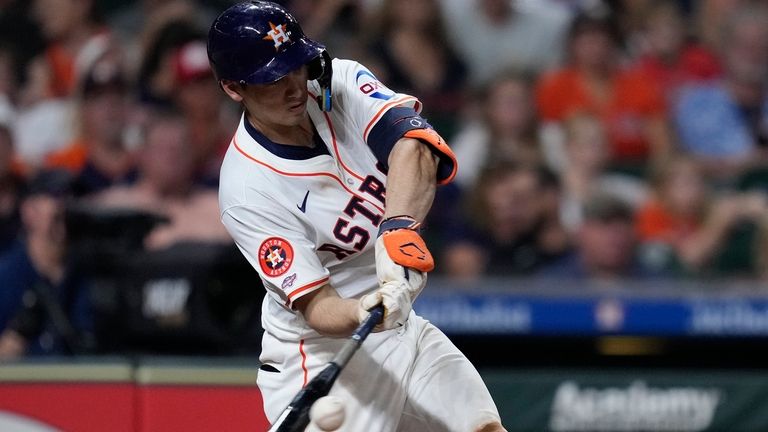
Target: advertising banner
606,400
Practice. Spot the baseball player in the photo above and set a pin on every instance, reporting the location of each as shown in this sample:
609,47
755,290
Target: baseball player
323,188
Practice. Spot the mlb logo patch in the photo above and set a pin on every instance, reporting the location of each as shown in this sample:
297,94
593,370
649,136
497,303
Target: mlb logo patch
275,256
288,281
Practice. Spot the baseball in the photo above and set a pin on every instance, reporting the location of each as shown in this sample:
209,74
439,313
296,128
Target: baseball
327,413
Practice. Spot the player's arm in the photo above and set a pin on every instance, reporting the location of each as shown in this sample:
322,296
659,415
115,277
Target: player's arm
327,313
411,181
418,161
410,190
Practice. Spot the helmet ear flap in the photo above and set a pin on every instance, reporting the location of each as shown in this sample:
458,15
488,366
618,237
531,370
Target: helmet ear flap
315,68
320,69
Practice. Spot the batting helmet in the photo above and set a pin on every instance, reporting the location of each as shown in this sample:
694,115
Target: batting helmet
258,42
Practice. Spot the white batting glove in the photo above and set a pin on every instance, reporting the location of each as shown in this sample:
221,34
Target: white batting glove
396,299
401,254
389,271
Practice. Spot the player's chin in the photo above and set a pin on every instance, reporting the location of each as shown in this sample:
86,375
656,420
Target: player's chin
291,118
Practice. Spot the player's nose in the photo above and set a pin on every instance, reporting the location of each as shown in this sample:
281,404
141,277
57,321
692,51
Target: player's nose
296,83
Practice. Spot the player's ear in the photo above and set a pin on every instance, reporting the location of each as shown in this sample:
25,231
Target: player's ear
233,90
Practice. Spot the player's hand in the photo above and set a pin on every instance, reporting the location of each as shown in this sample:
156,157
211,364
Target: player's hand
396,299
401,254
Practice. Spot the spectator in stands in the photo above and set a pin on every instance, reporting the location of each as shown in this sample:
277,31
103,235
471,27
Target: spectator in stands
20,38
137,23
630,107
410,52
73,30
605,245
710,16
8,81
338,23
583,166
724,124
165,186
11,184
75,38
686,228
45,307
554,240
156,79
198,97
505,130
99,157
668,57
494,35
510,228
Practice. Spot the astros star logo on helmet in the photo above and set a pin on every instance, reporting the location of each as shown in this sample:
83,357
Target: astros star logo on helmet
278,35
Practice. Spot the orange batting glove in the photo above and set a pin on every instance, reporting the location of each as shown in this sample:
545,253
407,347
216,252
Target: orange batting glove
402,263
401,254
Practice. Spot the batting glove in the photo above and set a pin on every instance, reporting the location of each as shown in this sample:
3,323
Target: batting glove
396,299
401,254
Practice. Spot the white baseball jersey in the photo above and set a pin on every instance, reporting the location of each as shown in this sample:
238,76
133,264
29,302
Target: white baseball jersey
304,217
303,220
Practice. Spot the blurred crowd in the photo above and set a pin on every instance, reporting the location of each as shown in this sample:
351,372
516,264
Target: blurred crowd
597,140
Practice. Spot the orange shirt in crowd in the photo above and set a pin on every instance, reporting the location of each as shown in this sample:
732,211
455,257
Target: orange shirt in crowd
655,223
633,99
64,79
694,64
62,66
71,158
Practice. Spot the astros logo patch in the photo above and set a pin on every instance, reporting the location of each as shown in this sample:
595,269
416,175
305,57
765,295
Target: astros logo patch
275,256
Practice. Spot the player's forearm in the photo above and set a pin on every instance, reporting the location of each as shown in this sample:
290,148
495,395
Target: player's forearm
411,179
329,314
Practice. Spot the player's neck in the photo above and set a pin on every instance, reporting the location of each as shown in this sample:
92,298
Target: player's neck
301,134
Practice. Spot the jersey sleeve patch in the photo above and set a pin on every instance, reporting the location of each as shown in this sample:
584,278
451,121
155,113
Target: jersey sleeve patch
367,83
275,256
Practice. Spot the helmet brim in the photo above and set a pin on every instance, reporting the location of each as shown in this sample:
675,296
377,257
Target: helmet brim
298,54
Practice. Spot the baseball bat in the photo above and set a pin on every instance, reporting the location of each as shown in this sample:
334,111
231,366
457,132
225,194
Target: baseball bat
295,417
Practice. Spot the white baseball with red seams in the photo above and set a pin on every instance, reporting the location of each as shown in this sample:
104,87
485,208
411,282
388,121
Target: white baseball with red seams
328,413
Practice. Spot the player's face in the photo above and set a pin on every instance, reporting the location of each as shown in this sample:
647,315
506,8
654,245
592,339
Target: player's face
278,104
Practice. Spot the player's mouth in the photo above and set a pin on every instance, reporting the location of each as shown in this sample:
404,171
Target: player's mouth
297,107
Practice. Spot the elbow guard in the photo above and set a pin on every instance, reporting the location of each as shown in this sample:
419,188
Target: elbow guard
446,170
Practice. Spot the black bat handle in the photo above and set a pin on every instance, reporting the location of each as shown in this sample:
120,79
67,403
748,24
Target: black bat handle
296,417
345,353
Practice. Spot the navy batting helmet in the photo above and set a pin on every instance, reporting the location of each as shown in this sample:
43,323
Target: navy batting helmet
258,42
